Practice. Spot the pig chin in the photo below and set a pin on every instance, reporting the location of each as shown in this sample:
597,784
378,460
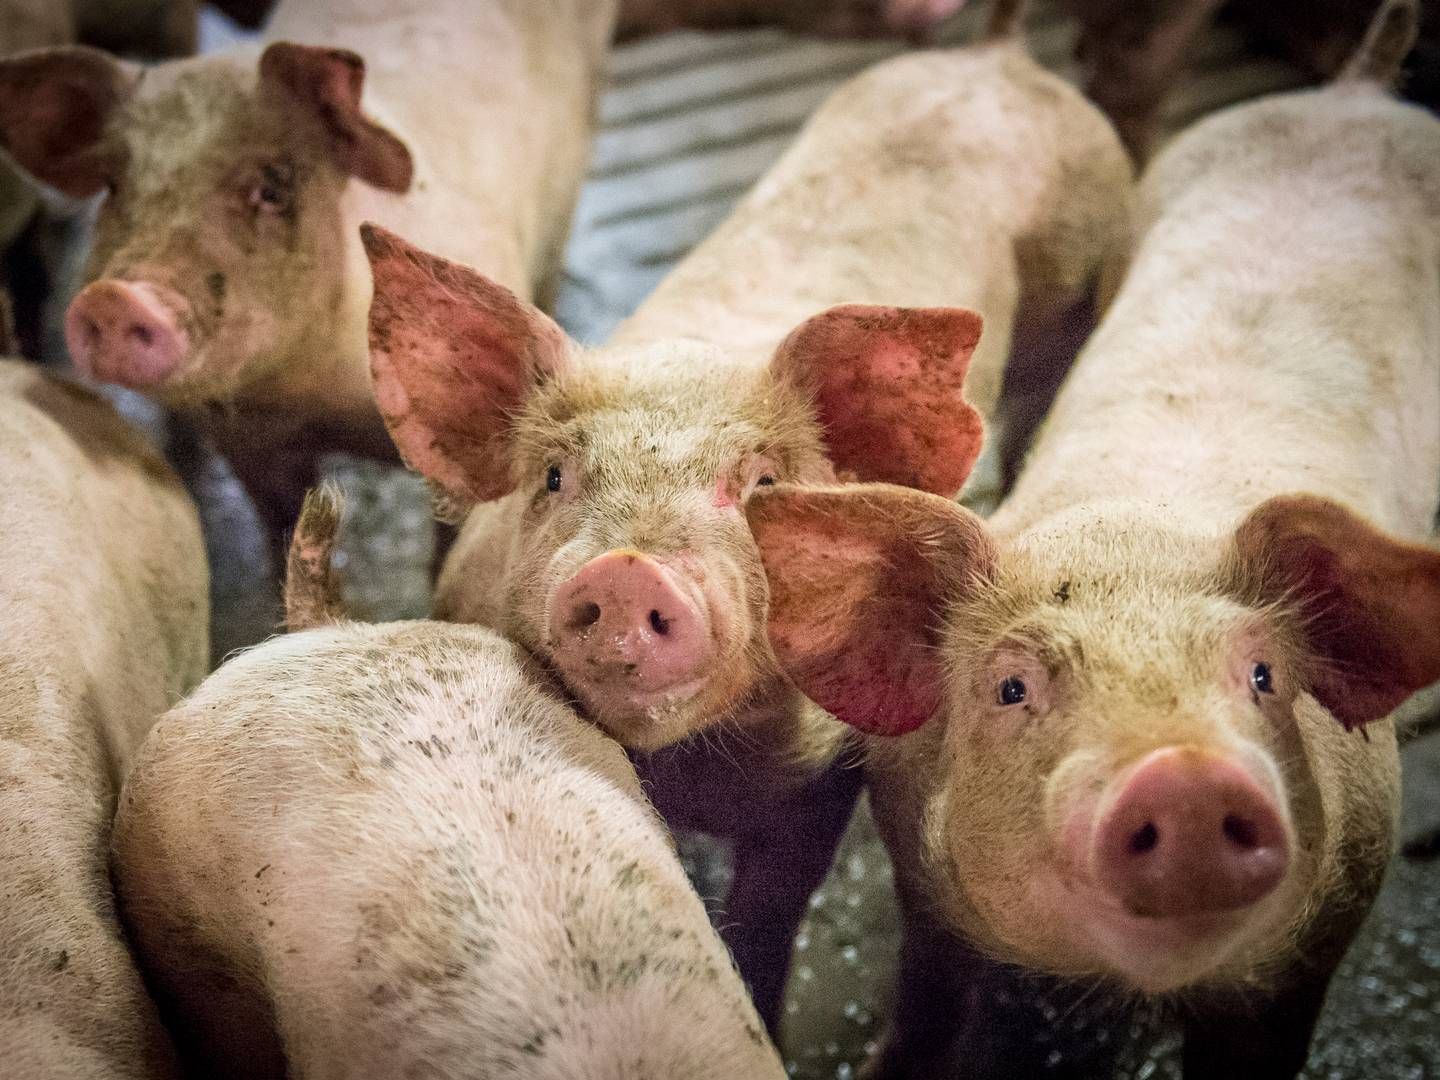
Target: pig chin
1149,954
652,720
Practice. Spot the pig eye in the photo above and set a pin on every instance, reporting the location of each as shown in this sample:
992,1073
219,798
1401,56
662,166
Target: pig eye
1261,680
766,481
553,478
1012,691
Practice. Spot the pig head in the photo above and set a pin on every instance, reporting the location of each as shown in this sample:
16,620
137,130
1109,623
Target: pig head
220,249
1148,767
610,536
835,18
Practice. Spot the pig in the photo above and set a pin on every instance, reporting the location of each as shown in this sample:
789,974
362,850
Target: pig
834,18
394,850
227,278
1135,728
24,24
602,489
104,610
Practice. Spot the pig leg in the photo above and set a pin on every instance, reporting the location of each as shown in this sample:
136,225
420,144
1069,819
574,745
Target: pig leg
276,464
957,1013
933,996
1268,1042
776,871
1132,54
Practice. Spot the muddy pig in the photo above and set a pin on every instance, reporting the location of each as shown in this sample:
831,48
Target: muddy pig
103,625
606,533
382,851
228,278
1160,754
834,18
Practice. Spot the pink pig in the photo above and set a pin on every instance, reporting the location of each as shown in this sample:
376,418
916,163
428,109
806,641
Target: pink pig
1160,677
227,278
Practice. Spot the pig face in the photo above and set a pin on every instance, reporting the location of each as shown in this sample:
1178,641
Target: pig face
1129,712
220,250
626,470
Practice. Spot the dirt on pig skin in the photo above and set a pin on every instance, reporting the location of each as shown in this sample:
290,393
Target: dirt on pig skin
513,905
226,277
93,649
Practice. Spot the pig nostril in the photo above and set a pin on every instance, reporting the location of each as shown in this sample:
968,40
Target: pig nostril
659,623
1144,839
586,614
143,334
1240,832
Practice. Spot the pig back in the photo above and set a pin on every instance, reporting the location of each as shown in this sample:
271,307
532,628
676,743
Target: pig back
363,850
108,592
968,177
104,615
1277,331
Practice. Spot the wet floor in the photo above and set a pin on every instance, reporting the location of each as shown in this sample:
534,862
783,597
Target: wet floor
687,124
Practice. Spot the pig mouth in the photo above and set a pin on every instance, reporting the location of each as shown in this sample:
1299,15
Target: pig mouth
1155,954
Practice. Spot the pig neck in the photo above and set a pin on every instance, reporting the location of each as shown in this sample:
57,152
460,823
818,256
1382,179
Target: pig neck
1277,333
499,200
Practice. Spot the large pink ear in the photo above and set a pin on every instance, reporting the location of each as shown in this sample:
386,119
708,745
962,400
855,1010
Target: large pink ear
887,384
861,576
1368,605
328,82
453,356
54,107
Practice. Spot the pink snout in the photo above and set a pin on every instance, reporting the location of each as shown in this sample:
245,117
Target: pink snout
629,625
1190,833
916,16
126,332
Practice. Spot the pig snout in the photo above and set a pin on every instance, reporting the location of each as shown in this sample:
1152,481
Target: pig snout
126,332
625,624
1190,833
917,16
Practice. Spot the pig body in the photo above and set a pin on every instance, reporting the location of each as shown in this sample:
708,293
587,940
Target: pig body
376,851
608,537
95,648
228,278
1143,770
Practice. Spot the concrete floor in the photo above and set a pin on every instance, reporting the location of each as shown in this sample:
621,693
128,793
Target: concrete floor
689,122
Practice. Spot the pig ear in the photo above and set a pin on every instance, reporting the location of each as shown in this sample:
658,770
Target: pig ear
1368,605
454,356
54,106
860,579
328,83
887,386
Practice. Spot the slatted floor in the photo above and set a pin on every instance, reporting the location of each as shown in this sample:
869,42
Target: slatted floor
688,123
